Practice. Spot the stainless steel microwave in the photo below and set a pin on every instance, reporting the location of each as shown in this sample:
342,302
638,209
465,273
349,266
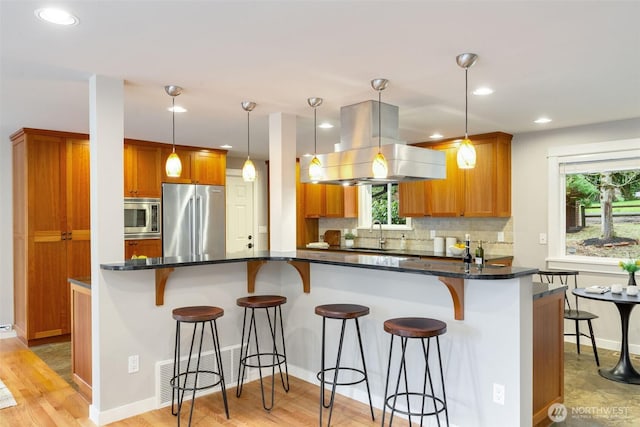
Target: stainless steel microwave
142,218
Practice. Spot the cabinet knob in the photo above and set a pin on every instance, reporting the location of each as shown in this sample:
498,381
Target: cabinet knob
63,235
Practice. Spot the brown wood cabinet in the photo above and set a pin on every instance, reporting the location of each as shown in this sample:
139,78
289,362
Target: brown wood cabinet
306,228
548,355
51,231
142,169
81,339
330,201
484,191
199,166
151,248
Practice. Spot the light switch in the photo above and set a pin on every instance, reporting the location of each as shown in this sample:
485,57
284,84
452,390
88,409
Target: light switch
542,238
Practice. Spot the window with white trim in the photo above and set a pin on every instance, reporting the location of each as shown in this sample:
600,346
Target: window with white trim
594,205
380,202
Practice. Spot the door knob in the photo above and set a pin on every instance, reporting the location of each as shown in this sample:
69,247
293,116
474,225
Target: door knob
250,245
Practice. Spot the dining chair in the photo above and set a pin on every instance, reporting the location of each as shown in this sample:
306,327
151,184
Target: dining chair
572,312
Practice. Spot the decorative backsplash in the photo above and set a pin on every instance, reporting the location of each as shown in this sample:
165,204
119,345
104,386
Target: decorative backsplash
419,237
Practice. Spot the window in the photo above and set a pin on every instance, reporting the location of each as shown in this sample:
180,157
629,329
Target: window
380,202
594,205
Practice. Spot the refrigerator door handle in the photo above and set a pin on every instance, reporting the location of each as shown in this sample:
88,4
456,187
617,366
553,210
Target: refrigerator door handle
192,228
199,223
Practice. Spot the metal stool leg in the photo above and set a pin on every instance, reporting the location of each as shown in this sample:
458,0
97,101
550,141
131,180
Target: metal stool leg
364,367
578,335
593,342
386,383
216,344
243,354
444,393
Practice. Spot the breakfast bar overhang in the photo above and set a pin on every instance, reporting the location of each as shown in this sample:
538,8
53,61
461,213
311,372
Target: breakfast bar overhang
488,314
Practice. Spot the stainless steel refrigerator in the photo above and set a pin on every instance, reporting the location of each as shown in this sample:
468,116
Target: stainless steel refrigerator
193,220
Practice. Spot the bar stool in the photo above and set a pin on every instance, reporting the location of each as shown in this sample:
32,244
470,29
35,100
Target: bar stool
278,356
422,328
344,312
196,379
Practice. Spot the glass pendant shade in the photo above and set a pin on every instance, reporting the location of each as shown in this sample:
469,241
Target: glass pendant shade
315,170
379,166
173,167
466,155
248,171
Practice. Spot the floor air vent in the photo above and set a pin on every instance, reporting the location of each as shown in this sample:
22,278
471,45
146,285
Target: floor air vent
164,372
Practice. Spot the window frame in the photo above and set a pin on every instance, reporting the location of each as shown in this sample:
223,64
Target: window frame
560,161
364,212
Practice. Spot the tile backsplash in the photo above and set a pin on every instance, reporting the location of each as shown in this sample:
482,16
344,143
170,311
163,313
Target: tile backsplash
419,236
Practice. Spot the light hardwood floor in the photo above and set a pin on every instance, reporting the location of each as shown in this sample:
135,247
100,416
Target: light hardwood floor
45,399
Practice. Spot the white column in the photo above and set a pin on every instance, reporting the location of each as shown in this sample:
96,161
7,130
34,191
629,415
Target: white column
282,182
106,123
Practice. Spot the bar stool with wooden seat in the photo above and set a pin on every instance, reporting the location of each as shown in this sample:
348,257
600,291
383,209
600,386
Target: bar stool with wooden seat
197,379
255,360
415,328
343,312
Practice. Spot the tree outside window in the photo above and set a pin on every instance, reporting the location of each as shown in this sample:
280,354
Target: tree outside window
385,204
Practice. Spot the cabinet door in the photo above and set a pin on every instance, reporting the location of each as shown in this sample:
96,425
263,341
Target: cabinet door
146,171
445,195
186,159
479,182
334,199
78,209
351,202
47,289
314,200
413,199
209,168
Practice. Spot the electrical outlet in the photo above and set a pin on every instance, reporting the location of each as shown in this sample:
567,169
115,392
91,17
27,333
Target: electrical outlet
500,236
498,393
432,234
134,364
542,239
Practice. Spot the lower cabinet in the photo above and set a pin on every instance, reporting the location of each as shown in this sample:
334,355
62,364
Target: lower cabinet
151,248
81,339
548,355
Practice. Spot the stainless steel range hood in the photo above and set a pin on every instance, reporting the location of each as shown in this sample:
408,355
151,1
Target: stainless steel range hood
350,164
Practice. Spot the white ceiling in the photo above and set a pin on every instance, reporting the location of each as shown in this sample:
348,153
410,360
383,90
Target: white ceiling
577,62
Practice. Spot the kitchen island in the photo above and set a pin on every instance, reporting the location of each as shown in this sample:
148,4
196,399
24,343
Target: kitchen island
492,345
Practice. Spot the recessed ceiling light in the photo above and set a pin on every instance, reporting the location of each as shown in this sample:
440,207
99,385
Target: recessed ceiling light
178,109
483,91
542,120
56,16
325,125
307,155
226,146
435,136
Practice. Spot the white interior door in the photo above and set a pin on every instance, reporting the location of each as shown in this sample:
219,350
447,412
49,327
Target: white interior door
241,237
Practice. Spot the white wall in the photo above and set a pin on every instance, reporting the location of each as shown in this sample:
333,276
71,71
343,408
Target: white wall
6,229
529,209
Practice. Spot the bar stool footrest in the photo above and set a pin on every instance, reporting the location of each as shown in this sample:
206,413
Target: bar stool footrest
281,359
189,384
439,405
331,382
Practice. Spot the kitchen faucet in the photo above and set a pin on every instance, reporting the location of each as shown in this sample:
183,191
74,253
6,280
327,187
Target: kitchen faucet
381,240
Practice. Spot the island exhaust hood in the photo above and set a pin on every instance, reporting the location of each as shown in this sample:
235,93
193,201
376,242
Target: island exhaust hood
350,164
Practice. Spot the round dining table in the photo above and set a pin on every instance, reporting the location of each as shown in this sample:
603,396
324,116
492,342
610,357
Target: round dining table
624,371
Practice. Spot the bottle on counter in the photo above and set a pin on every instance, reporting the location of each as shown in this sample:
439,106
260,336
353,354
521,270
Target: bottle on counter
466,258
403,243
480,254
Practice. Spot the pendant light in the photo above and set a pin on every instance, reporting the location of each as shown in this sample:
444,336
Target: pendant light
248,170
379,165
173,167
315,167
466,152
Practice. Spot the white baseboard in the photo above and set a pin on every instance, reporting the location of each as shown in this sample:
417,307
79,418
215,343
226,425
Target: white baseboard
8,334
121,412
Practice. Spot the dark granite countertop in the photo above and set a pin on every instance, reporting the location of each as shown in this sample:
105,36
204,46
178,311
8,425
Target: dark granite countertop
80,281
411,253
339,258
541,290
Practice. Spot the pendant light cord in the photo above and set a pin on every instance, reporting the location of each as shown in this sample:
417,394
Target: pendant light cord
173,122
466,101
315,132
379,120
248,137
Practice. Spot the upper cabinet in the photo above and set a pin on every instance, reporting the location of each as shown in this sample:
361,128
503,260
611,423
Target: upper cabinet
484,191
330,201
199,166
142,169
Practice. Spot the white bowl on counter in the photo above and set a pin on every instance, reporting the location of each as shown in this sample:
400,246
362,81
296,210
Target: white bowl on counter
454,250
